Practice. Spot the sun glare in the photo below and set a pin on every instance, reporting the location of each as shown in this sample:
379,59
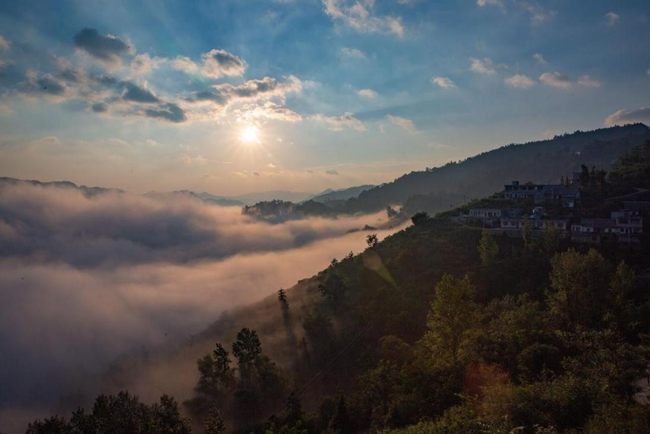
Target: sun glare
249,134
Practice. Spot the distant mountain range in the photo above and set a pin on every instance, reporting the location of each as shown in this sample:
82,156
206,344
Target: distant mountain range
330,195
88,191
441,188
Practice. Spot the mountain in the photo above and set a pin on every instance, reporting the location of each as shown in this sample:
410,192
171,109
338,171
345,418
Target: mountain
545,161
88,191
440,328
263,196
330,195
211,198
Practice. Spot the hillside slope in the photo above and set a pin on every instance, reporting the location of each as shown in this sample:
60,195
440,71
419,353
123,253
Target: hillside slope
478,176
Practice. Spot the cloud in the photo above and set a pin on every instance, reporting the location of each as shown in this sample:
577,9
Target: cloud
332,172
588,81
483,3
267,110
485,66
359,15
612,18
621,117
133,92
367,93
99,107
220,63
539,59
167,111
4,44
443,82
556,80
121,90
520,81
88,277
339,123
538,15
266,87
401,122
353,53
107,48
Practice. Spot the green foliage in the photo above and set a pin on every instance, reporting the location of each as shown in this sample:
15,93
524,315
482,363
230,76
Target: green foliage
119,414
452,319
580,288
632,170
488,248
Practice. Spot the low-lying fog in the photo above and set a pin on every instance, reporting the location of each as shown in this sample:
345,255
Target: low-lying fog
85,279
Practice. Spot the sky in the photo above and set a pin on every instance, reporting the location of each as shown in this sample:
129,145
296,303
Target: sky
237,96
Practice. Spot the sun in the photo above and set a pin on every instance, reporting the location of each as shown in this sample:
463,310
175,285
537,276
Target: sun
249,134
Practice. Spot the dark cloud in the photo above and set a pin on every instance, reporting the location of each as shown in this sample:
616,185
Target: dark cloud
104,47
219,63
100,107
332,172
169,111
266,87
138,94
50,85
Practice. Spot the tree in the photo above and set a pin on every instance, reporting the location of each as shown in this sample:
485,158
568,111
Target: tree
282,298
580,287
215,373
527,233
420,218
622,310
246,349
118,414
451,319
214,423
488,248
551,239
340,422
372,240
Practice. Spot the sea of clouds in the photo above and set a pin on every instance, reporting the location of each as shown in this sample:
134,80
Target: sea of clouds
87,278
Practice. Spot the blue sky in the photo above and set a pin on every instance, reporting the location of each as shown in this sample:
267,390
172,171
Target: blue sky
154,95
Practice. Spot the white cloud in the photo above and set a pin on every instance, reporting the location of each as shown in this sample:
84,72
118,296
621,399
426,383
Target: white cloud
621,117
367,93
539,59
483,3
339,123
588,81
359,16
538,15
520,81
556,80
443,82
216,63
4,44
401,122
485,66
353,53
612,18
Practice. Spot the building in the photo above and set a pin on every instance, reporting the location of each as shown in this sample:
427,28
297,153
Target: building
486,216
566,195
624,225
536,223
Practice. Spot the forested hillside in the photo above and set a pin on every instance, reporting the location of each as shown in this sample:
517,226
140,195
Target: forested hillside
441,188
440,328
